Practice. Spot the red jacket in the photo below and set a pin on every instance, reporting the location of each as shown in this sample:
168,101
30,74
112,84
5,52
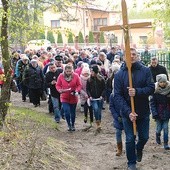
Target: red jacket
1,77
74,84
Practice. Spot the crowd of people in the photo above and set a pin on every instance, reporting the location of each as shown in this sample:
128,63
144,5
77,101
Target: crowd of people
94,77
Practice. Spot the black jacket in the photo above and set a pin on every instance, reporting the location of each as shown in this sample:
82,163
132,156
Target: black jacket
33,77
158,70
95,87
49,77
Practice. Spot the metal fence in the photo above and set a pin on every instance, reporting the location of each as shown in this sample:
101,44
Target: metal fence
164,59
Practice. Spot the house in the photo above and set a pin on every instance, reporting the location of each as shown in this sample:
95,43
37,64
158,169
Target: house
90,18
80,18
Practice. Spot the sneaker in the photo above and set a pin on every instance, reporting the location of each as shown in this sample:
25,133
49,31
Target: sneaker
132,167
166,146
85,120
73,128
139,155
69,129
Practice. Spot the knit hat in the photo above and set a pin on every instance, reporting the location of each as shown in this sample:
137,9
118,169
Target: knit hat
58,57
161,78
85,70
95,68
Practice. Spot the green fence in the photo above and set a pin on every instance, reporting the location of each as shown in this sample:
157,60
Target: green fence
164,59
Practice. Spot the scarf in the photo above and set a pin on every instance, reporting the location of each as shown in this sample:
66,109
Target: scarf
163,91
84,78
68,78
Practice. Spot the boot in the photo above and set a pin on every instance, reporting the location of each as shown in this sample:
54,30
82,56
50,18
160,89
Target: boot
158,139
166,146
119,149
98,124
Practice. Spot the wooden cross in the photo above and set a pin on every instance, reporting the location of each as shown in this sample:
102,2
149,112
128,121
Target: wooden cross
126,27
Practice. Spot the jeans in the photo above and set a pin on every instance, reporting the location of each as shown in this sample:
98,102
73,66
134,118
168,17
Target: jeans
143,136
162,124
56,109
118,135
97,108
70,113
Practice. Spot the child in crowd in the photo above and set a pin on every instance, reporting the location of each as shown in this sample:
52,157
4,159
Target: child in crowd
117,123
160,108
85,75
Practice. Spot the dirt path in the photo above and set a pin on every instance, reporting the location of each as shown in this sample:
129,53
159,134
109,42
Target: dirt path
98,152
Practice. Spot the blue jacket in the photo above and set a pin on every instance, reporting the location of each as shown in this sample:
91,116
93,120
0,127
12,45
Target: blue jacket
143,84
117,119
160,106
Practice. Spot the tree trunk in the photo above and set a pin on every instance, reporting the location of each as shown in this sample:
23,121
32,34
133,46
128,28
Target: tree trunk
5,93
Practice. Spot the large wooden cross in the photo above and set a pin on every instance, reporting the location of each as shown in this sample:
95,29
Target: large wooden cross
126,27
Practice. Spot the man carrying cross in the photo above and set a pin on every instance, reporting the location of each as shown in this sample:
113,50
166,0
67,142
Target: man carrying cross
143,86
132,86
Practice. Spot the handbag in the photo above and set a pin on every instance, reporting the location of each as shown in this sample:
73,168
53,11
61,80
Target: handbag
14,87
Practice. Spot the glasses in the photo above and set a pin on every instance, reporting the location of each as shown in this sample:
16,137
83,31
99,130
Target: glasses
134,54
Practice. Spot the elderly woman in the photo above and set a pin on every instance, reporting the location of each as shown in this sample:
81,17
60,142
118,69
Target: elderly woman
34,79
69,85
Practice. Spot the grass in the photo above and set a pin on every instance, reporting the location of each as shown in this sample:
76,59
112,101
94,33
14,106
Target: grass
20,113
31,142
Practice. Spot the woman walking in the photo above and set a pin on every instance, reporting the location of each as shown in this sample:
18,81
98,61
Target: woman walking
69,85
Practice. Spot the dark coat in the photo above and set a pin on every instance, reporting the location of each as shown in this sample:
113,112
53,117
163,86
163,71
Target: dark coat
160,106
143,84
158,70
85,60
96,87
33,77
117,119
110,56
49,77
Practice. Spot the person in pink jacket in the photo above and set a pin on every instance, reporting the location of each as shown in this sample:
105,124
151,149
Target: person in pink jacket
69,85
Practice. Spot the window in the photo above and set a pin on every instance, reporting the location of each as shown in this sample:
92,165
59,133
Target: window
87,24
55,23
99,22
143,39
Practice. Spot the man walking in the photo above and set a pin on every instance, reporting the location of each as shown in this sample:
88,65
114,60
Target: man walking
143,86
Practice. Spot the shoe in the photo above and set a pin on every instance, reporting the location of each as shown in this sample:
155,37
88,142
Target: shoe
63,117
139,155
158,139
69,129
73,128
119,149
132,167
166,146
57,121
24,100
85,120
